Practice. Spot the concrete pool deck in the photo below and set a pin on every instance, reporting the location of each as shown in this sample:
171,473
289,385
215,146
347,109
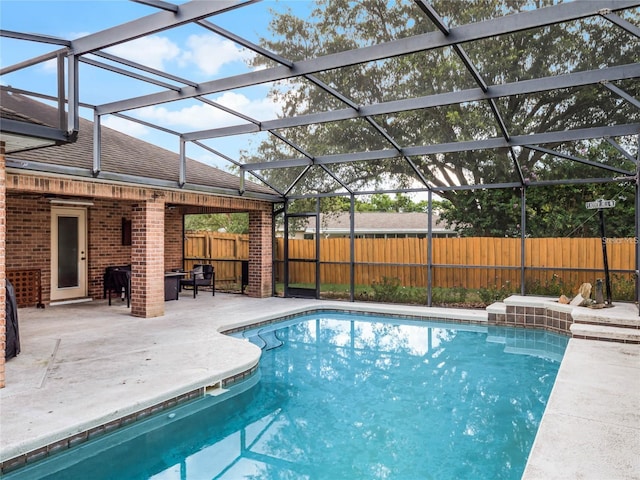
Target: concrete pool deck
85,365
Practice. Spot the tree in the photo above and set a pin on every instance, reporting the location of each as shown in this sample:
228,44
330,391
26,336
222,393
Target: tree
214,222
551,211
341,25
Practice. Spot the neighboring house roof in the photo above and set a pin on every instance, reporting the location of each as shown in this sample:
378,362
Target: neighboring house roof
378,222
121,154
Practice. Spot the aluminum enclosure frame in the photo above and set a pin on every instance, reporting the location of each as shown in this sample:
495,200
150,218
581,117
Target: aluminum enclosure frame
200,13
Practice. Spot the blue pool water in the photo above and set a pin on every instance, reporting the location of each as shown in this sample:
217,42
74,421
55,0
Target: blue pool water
347,397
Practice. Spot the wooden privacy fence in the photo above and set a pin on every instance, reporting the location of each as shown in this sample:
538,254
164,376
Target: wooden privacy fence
473,262
223,250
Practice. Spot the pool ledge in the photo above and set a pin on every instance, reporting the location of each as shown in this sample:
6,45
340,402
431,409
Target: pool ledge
591,425
111,366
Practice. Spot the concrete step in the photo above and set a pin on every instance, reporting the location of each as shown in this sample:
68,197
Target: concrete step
605,332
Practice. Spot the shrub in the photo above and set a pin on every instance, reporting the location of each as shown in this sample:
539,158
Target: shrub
494,293
388,290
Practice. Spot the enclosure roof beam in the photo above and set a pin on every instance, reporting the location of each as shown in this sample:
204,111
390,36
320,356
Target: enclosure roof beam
449,188
577,159
470,95
127,73
235,162
486,144
245,43
316,81
156,22
617,146
622,94
144,68
34,37
498,26
146,124
170,7
32,61
622,23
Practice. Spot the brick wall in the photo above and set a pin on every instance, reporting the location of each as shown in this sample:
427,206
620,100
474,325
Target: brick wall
28,219
173,238
28,242
147,259
105,241
29,231
260,254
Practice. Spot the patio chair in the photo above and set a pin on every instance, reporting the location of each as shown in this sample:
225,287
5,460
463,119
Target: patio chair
117,279
202,277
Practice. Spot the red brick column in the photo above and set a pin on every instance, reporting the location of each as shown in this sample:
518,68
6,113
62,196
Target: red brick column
147,259
3,262
260,254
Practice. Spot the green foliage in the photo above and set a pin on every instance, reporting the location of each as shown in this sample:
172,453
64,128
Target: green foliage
387,290
449,296
213,222
557,211
587,44
552,287
489,295
623,287
378,202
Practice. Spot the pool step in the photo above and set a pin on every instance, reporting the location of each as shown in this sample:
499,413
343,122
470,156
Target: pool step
257,341
271,340
266,340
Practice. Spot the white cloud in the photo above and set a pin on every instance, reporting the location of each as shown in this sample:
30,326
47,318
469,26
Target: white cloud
210,53
125,126
263,109
153,51
203,116
50,66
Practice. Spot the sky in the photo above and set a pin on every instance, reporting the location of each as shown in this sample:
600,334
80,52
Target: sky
190,52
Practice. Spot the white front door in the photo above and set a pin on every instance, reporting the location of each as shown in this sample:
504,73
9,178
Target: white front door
68,253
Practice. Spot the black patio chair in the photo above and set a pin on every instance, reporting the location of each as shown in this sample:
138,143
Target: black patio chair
117,279
202,277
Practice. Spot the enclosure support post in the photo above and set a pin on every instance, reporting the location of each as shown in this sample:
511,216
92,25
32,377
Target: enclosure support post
286,249
352,249
317,247
429,247
523,236
274,243
638,224
605,260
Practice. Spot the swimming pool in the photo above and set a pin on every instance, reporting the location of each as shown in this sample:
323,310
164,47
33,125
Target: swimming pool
346,396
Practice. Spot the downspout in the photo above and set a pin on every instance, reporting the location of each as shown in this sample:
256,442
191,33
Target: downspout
97,144
183,164
73,122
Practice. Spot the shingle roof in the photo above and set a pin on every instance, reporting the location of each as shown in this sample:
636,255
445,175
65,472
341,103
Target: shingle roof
378,222
121,153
